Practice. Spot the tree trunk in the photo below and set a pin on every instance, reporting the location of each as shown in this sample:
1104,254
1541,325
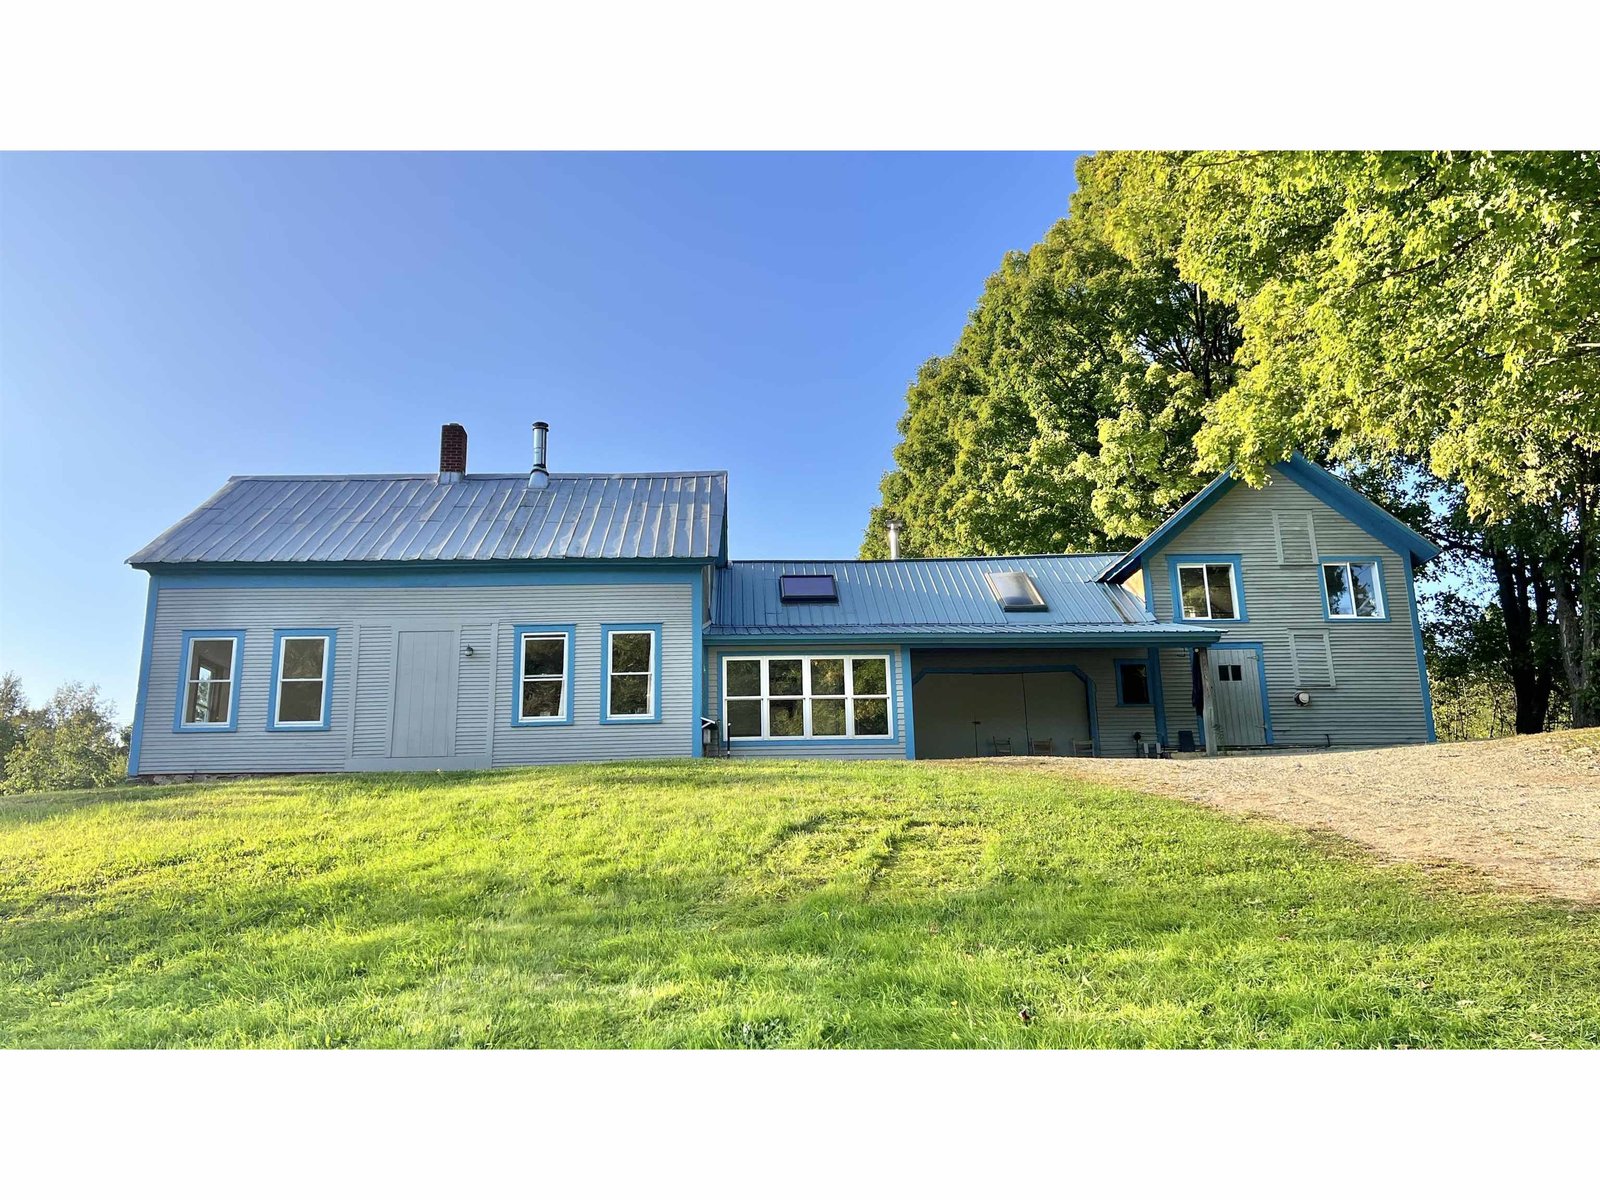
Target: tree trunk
1522,659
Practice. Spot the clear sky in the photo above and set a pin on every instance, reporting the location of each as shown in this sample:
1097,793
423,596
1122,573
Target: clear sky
169,321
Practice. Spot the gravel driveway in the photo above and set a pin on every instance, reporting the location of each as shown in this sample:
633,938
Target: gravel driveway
1524,811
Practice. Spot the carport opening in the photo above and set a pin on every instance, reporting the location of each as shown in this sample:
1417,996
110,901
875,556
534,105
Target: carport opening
983,705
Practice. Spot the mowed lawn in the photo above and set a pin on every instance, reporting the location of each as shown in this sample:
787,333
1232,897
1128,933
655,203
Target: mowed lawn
762,905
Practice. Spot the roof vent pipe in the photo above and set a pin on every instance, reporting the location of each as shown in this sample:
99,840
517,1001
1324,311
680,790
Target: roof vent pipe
894,528
452,452
540,475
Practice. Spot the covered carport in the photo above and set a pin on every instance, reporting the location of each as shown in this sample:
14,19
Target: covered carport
976,703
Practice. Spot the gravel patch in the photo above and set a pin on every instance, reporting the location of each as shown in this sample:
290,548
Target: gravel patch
1524,811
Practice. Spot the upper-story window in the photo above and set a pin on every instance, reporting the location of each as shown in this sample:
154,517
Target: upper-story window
1209,591
1352,590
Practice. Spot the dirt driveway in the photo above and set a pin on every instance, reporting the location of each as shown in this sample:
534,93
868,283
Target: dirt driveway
1524,811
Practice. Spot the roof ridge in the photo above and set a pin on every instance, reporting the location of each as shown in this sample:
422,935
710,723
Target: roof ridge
741,562
374,475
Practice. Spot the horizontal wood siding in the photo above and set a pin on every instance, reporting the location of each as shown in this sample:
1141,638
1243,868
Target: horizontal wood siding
367,619
1376,698
894,747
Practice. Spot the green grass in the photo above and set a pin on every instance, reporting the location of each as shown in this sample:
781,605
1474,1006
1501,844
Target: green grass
730,904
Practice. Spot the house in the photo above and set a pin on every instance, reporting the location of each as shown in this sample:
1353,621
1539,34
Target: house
452,620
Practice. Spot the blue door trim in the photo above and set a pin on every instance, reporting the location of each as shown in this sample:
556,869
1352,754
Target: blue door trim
1261,672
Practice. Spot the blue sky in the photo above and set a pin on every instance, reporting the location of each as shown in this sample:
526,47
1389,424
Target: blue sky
169,320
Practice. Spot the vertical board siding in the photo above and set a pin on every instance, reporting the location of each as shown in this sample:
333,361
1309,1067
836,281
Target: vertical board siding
1376,698
894,747
368,620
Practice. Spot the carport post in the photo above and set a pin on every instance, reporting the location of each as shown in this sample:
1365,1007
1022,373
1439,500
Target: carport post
1208,701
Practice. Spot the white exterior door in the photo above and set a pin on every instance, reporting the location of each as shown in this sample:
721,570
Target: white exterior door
1236,676
424,694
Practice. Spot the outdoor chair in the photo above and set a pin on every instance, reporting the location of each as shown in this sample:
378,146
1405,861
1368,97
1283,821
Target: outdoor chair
1000,745
1082,749
1042,746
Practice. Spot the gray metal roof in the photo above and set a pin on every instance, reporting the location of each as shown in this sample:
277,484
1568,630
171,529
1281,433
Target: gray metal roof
944,597
480,518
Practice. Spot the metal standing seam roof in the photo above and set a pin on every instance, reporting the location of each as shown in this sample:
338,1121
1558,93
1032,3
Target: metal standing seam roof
278,519
943,596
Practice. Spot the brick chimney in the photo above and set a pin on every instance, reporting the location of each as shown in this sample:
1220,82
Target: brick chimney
452,453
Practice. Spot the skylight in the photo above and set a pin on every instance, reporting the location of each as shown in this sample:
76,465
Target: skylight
1015,591
808,589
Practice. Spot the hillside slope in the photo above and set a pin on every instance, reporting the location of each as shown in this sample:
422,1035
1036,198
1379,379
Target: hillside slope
733,904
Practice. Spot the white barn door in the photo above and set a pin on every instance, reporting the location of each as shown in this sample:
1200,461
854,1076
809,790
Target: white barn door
424,694
1241,716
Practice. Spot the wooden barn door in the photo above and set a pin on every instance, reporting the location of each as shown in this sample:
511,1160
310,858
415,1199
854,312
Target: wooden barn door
424,694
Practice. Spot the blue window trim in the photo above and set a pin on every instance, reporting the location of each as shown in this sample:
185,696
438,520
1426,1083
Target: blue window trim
869,739
235,681
1261,673
278,636
1383,594
1174,561
1031,669
568,700
653,717
1116,673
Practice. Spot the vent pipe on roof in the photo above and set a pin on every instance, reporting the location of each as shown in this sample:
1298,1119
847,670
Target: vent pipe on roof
452,452
540,475
894,528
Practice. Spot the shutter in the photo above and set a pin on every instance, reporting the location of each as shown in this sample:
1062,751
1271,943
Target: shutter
1297,540
1313,659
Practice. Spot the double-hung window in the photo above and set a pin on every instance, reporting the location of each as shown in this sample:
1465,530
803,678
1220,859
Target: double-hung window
826,696
633,660
302,678
1351,590
544,675
208,692
1209,591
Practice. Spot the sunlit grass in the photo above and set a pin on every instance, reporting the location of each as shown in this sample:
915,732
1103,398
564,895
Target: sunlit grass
732,904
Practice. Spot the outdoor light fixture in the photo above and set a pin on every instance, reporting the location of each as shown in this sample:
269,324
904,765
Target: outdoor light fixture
1302,699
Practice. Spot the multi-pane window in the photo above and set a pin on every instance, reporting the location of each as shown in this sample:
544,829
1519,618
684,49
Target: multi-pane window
208,688
826,696
543,662
1208,591
301,695
630,674
1351,590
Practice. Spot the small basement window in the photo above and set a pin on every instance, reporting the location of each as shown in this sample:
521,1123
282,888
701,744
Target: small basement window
1016,591
808,589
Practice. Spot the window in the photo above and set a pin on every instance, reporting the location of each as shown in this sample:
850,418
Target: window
544,674
1133,681
1015,591
302,675
1208,591
1230,673
207,692
808,589
632,662
827,696
1296,538
1351,590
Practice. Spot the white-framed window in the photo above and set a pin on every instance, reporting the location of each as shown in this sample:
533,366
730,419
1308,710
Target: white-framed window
806,696
302,672
209,697
632,665
1352,590
1209,591
544,659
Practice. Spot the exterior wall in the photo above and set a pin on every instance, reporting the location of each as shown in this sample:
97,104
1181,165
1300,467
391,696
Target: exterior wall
894,747
1377,694
366,618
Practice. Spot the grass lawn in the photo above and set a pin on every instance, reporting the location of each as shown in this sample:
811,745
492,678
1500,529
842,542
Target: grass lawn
735,904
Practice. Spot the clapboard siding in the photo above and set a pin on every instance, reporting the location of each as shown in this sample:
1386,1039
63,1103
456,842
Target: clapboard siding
367,620
1376,698
894,747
